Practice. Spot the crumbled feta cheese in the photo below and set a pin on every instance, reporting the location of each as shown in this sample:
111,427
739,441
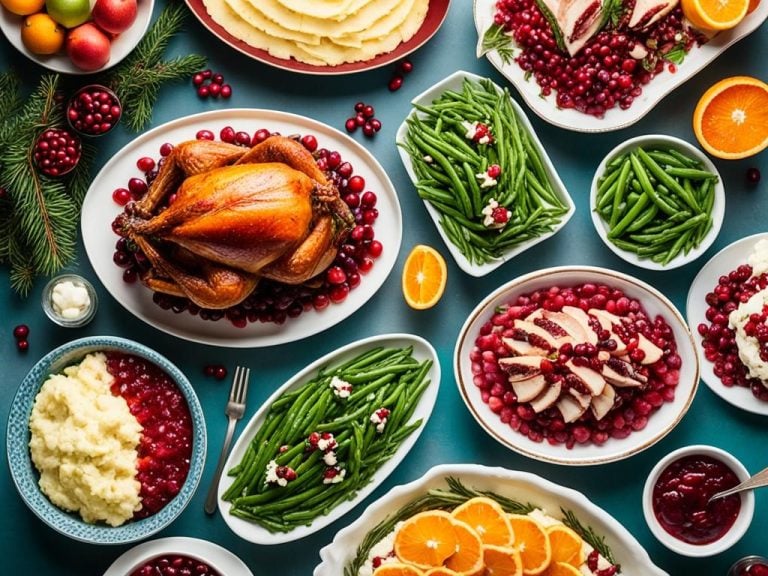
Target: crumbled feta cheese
489,217
336,478
330,458
379,419
341,388
470,129
428,159
326,442
484,139
485,180
272,477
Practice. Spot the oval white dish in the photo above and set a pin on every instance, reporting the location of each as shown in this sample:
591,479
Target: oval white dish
522,486
659,424
99,210
422,350
615,119
454,82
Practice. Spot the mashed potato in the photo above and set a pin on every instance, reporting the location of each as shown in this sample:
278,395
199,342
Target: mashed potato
83,443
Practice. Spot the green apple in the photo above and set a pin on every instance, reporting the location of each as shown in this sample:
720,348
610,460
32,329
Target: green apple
69,13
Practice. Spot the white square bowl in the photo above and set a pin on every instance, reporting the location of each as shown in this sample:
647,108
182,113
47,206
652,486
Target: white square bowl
454,82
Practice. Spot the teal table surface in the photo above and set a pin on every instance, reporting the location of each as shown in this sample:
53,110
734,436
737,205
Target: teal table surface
451,436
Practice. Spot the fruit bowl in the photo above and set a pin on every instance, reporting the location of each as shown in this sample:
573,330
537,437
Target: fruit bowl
731,515
26,476
121,46
658,142
525,417
94,110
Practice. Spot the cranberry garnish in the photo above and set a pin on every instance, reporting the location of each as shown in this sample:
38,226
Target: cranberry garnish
22,345
207,84
94,110
406,66
226,91
174,565
395,83
21,332
681,499
753,175
57,152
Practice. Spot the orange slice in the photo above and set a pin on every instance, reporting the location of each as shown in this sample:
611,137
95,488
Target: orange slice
426,539
566,545
715,14
731,119
488,519
424,277
533,543
468,558
502,561
562,569
397,569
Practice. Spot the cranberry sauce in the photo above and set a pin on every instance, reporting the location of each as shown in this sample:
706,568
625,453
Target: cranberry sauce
609,70
174,565
681,494
166,440
271,301
719,339
652,384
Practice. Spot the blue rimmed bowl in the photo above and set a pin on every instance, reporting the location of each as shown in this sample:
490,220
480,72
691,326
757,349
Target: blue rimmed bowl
25,475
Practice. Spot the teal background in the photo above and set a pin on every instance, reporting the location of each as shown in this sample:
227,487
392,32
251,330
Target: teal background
451,436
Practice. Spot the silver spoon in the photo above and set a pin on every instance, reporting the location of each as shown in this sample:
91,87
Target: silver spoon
756,481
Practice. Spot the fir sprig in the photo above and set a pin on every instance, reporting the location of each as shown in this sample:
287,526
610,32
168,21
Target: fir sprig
137,81
40,213
496,38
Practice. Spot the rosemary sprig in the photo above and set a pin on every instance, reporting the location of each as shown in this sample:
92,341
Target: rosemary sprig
496,38
137,81
589,535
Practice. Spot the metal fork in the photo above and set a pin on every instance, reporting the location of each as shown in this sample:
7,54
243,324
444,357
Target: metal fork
234,411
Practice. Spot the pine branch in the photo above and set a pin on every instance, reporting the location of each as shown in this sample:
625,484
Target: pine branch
137,81
589,535
10,100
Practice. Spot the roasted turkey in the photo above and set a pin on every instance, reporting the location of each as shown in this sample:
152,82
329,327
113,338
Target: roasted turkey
219,217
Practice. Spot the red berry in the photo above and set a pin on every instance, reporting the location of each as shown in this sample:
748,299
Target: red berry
227,134
368,199
217,79
406,66
359,106
204,135
260,135
344,170
21,332
166,149
360,119
376,124
350,125
121,196
335,275
145,164
137,187
203,92
368,130
309,142
197,79
368,111
220,372
243,138
226,91
338,293
209,370
207,74
334,160
753,175
356,184
494,171
214,90
395,84
375,249
22,345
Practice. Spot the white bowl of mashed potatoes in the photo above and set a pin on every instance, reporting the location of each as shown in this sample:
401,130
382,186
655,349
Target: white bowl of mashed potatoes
74,441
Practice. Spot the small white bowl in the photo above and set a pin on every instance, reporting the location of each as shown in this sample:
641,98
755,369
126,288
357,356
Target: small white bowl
221,559
736,531
53,313
454,82
718,209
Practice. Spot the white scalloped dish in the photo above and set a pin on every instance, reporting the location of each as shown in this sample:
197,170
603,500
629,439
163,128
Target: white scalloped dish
695,61
422,350
520,486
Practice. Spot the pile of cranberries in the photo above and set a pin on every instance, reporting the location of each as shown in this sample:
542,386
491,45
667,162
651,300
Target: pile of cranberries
94,110
211,85
633,405
604,73
21,334
364,118
271,301
719,340
166,439
57,152
174,565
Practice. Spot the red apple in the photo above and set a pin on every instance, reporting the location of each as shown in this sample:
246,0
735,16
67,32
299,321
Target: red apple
114,16
88,47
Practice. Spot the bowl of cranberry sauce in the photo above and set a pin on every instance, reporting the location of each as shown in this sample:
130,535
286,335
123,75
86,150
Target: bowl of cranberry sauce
676,501
171,448
576,365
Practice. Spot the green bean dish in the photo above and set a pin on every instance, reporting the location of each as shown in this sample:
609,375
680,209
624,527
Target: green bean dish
479,167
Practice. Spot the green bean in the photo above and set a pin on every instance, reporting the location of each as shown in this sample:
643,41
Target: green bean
645,182
631,214
691,173
667,180
621,188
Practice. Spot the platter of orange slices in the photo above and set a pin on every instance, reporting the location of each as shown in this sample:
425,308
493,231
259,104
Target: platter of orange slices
472,520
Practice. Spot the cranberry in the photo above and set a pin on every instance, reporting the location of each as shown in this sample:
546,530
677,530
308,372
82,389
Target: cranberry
121,196
57,152
395,83
137,187
217,79
204,91
197,79
166,149
226,91
204,135
22,345
753,175
174,565
406,66
260,135
227,134
145,164
350,125
309,142
21,332
93,110
214,90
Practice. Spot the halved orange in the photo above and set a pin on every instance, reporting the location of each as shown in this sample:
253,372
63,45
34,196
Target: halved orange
502,561
562,569
566,545
486,517
397,569
468,558
731,118
426,539
532,541
715,14
424,277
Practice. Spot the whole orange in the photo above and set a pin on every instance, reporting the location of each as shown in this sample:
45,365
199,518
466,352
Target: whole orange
23,7
41,34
